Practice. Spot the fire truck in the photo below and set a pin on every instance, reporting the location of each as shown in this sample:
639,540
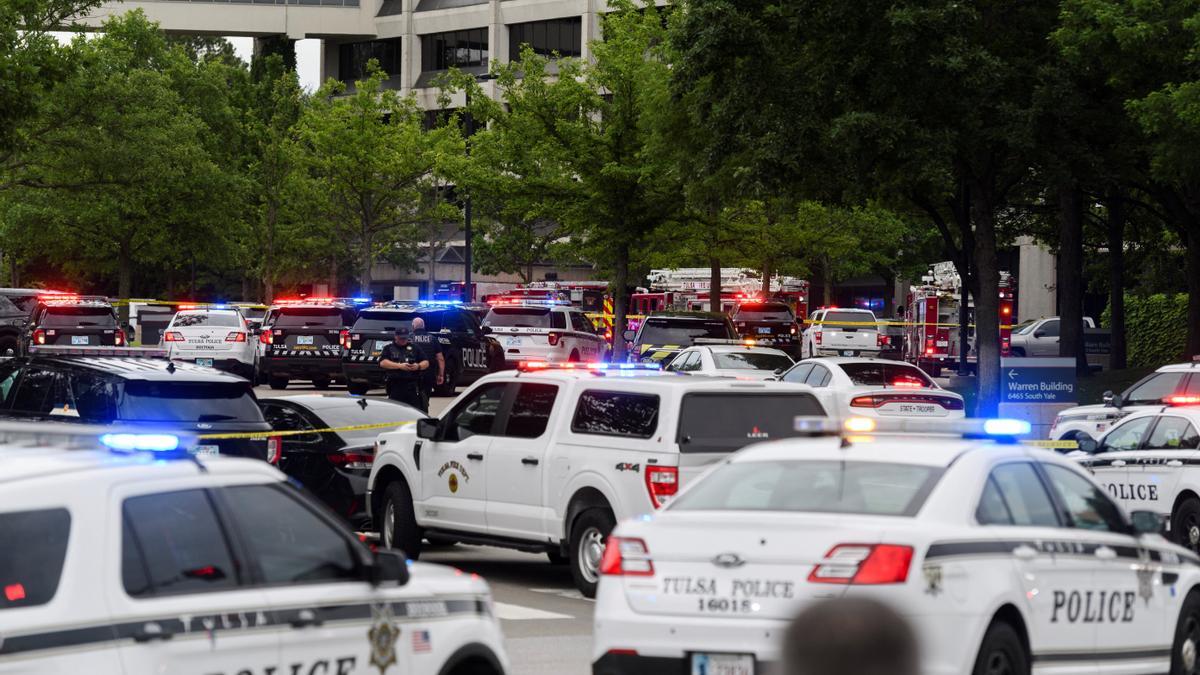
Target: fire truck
687,288
932,337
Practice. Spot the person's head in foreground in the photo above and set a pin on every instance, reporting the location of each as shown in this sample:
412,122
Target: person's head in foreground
850,636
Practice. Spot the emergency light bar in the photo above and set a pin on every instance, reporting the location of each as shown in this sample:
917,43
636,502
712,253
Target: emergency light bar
746,342
999,428
534,366
306,301
66,436
441,303
125,352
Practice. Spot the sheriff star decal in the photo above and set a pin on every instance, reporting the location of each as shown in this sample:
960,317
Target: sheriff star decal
383,636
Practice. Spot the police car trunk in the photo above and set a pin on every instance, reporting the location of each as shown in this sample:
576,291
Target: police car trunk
527,332
661,338
78,325
767,323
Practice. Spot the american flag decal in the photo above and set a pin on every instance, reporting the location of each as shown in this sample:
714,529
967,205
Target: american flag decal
420,642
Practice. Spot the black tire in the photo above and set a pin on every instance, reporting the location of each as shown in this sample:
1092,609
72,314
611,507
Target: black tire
398,522
358,389
278,382
1184,659
1001,652
1185,524
9,347
450,384
557,557
588,537
320,383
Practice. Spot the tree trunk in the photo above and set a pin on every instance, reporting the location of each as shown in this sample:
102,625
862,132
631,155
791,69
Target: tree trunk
364,274
767,269
620,302
827,281
1116,280
268,267
987,304
714,283
1070,276
124,279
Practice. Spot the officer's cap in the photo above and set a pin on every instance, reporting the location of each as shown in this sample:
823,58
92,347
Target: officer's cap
402,332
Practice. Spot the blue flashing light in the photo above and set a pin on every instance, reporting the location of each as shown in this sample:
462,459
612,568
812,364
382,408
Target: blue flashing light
441,303
141,442
1006,427
220,306
362,301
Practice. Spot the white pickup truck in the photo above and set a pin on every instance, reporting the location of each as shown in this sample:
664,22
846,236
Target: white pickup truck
842,332
1040,338
548,459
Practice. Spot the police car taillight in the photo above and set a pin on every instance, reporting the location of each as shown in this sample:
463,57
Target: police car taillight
274,449
344,339
863,564
119,338
236,336
554,338
817,337
625,556
39,337
172,336
265,337
662,482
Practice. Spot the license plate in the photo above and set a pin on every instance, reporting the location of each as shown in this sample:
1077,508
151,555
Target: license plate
942,343
848,352
722,664
204,362
914,409
304,339
79,339
764,331
512,342
206,450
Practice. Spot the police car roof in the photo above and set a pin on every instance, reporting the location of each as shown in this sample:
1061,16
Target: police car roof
681,314
841,360
129,368
921,449
741,349
18,463
653,378
1178,367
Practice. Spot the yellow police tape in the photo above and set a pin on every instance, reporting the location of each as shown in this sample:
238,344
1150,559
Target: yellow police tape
1057,445
276,434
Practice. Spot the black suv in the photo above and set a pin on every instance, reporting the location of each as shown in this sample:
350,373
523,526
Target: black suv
662,335
770,324
73,321
147,393
14,316
469,353
302,340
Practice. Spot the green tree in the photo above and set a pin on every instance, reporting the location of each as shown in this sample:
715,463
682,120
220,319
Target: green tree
373,164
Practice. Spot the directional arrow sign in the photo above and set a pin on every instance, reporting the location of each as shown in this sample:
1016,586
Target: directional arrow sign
1032,380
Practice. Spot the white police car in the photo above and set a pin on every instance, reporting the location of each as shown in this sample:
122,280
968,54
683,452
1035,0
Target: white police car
116,561
1151,460
1005,558
1149,393
215,336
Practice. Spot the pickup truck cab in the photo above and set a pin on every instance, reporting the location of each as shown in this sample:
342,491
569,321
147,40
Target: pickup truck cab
1040,338
842,332
548,458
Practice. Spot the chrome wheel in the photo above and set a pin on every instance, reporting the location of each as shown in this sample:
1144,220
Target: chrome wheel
591,550
1193,533
999,664
1187,646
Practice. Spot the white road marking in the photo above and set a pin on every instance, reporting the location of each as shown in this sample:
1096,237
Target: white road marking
509,612
568,593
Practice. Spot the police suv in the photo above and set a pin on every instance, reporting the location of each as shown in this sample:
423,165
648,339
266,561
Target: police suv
552,331
1147,394
73,320
1151,461
466,349
662,335
123,556
550,457
302,340
1004,558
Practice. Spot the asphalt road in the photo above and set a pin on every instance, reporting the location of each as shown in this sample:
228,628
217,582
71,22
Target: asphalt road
547,623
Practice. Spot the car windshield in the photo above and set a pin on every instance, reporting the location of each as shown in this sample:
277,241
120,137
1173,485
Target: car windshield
729,421
8,308
71,317
519,317
149,401
771,311
1153,389
847,317
376,411
308,317
253,313
213,319
886,375
662,331
859,488
752,361
1024,328
388,321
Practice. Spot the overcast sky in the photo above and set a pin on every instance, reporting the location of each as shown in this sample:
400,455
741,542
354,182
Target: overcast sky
308,55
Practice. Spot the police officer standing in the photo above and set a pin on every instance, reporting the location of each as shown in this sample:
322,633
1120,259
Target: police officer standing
431,347
406,365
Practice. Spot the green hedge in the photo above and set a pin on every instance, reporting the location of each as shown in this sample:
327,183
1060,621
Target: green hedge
1155,328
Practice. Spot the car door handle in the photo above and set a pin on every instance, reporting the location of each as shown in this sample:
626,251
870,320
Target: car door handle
1025,552
1174,464
151,631
1105,553
1118,462
304,619
530,461
477,456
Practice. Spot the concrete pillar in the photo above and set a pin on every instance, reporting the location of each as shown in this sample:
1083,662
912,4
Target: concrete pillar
1036,285
497,35
410,57
590,28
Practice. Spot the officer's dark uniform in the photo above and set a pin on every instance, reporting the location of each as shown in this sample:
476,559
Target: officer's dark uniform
430,347
402,385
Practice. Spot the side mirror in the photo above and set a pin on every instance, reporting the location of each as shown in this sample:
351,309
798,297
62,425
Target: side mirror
1147,522
629,335
487,330
778,372
1087,444
427,428
388,566
1108,398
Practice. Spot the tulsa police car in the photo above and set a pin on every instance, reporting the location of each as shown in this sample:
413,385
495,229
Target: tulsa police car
116,561
1149,393
1005,558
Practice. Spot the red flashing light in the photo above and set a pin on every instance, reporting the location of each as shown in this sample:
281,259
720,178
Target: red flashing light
14,592
265,337
625,556
1183,400
236,336
119,338
662,482
863,564
173,336
908,384
344,339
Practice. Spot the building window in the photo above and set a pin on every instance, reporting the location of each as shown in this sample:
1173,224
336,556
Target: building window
460,48
547,38
353,58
